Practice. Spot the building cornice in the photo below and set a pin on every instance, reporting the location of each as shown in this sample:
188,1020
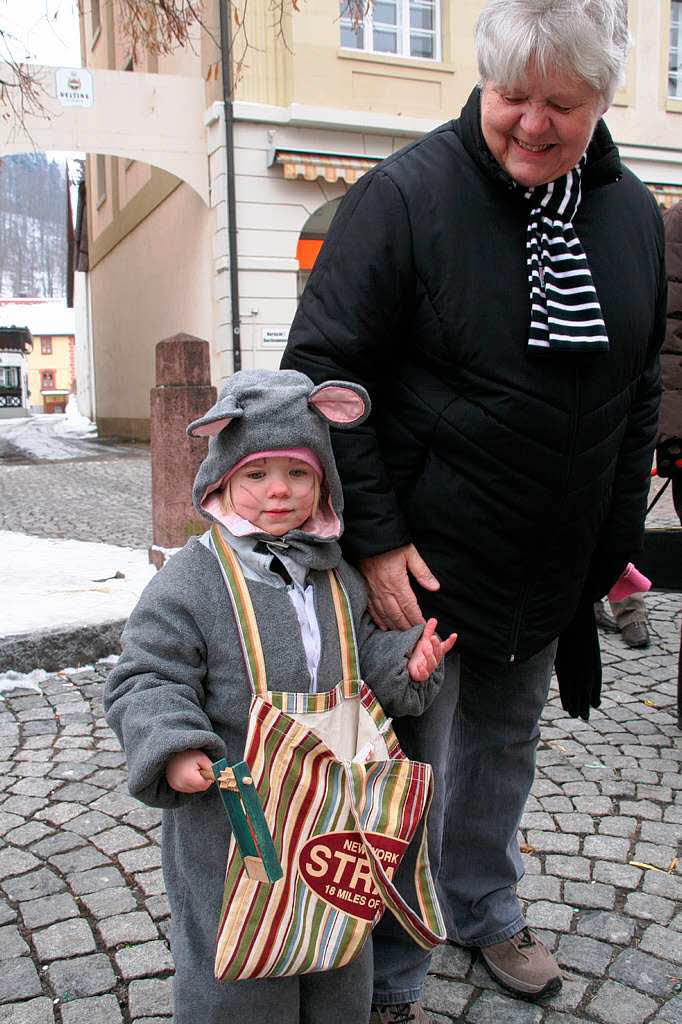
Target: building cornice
298,115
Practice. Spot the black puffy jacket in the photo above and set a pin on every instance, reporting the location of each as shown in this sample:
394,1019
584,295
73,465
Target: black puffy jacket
671,358
515,474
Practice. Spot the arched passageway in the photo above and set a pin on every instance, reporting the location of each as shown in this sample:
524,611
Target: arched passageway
150,118
311,238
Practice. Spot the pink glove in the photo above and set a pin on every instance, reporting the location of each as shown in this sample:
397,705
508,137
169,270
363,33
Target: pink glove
630,582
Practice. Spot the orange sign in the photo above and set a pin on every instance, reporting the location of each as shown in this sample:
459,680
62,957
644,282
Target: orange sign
307,251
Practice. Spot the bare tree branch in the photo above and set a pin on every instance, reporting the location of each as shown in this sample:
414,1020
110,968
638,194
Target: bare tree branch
21,88
158,26
241,44
357,11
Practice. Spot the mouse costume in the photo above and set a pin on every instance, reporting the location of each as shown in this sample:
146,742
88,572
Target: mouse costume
181,681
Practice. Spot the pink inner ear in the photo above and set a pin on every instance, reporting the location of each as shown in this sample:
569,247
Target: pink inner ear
211,429
338,405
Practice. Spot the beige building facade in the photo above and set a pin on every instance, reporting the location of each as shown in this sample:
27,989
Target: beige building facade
51,372
309,117
51,363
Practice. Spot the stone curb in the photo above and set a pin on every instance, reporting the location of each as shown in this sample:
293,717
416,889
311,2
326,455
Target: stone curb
52,649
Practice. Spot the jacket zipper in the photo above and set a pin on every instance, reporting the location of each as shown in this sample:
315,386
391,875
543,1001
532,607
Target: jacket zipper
516,628
573,432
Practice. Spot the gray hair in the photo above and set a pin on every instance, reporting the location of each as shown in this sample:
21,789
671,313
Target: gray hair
585,38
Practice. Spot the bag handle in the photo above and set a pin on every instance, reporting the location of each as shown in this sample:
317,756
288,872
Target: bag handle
427,930
244,615
247,626
245,811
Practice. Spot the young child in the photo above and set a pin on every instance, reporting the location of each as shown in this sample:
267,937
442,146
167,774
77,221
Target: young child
179,696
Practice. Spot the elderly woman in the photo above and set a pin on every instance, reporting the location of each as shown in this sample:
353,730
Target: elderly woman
498,287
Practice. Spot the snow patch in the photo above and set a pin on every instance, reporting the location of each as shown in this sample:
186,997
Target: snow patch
67,583
54,436
73,422
166,552
22,680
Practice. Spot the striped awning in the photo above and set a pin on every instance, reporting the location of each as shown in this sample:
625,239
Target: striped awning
330,166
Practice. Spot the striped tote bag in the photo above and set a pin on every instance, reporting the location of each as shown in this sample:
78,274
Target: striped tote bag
323,807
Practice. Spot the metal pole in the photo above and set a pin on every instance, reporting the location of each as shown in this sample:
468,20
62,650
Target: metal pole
226,59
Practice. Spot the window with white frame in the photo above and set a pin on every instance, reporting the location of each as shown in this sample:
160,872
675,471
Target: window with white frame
9,376
406,28
675,51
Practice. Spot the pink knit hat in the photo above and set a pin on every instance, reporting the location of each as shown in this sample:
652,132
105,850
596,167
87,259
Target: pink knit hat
306,455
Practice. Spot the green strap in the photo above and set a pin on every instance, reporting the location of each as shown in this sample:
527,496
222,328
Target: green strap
249,637
350,662
247,626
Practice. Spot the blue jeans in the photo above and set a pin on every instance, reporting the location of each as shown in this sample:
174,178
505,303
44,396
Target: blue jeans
480,735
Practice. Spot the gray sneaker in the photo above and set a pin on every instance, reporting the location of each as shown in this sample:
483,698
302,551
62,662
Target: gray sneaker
401,1013
523,965
604,618
635,634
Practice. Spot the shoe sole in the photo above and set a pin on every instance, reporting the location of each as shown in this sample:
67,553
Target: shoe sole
516,987
606,627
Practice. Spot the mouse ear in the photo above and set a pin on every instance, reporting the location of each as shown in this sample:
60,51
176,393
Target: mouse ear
340,403
216,419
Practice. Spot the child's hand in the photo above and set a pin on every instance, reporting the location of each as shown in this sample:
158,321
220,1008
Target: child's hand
183,771
428,652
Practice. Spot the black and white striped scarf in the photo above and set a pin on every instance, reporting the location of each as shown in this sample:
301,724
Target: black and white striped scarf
565,310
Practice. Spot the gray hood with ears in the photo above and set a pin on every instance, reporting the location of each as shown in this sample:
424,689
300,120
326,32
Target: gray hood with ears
267,410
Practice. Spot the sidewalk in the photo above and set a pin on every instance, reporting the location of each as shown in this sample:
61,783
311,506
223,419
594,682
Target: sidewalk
83,915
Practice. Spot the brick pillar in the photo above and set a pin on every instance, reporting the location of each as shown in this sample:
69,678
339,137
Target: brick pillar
183,393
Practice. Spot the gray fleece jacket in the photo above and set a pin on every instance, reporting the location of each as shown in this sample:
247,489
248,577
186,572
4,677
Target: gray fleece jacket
180,682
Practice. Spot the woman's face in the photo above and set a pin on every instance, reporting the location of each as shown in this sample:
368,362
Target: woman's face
539,130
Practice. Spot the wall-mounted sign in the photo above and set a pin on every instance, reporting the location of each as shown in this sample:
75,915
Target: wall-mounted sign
275,335
74,87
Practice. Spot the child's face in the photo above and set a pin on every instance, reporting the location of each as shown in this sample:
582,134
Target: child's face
276,494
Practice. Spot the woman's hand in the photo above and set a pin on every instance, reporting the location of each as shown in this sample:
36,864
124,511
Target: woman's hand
428,653
392,602
183,771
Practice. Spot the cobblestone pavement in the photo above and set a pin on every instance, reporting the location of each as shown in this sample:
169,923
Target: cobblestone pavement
663,513
100,499
59,484
84,919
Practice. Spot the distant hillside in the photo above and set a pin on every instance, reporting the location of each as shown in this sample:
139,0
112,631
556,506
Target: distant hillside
32,227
